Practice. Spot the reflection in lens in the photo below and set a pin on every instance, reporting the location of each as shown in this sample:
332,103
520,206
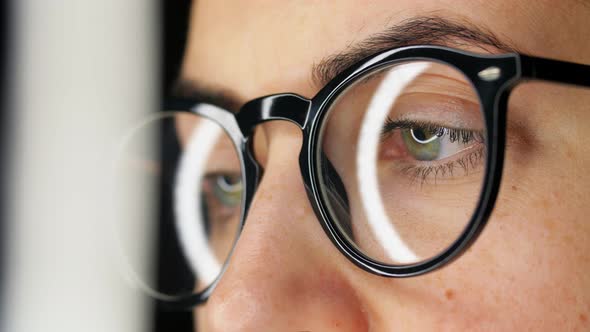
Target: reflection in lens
368,181
407,142
190,218
196,184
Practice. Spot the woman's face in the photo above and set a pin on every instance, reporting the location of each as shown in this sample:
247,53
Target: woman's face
527,270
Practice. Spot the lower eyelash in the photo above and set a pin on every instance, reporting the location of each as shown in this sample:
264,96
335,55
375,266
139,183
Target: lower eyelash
466,162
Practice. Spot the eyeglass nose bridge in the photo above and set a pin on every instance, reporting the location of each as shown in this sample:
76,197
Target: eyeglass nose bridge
283,106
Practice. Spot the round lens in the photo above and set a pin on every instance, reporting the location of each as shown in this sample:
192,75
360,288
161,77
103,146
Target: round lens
402,160
188,174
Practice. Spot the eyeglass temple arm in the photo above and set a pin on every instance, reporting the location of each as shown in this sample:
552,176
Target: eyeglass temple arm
554,70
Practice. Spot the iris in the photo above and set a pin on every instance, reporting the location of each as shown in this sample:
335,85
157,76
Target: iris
228,189
422,144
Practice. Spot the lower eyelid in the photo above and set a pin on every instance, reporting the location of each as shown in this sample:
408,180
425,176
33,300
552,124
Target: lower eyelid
467,163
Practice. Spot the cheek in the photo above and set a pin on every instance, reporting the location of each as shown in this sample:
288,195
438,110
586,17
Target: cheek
528,269
532,259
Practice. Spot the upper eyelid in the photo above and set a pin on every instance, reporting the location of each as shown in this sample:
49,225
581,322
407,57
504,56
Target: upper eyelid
404,123
427,106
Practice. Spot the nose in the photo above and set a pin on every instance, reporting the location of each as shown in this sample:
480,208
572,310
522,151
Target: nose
284,275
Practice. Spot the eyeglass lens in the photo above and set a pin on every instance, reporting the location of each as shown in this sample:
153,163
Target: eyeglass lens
190,169
402,161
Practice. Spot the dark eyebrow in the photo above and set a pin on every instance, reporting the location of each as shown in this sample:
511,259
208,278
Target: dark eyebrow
190,89
422,30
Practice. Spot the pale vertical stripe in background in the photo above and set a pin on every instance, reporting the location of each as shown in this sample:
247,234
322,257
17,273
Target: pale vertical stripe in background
83,69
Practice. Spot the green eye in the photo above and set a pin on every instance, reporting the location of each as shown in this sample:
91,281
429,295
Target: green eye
422,144
228,189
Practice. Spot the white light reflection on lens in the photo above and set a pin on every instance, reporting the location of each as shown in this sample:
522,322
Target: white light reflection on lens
379,107
187,191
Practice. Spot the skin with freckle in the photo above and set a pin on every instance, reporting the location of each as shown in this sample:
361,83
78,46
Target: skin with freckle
529,268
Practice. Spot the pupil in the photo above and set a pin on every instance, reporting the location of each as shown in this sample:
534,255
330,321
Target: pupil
228,180
420,134
423,136
229,183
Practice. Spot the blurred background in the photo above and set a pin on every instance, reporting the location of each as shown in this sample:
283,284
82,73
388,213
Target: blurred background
73,74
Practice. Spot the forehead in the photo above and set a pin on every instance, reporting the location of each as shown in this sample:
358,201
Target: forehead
257,47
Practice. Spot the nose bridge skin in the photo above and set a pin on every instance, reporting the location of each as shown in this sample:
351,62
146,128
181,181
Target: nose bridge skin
285,274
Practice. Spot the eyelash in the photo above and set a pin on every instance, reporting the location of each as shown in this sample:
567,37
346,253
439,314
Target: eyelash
421,173
464,136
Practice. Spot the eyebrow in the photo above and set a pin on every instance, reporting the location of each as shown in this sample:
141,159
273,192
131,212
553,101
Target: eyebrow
194,90
420,30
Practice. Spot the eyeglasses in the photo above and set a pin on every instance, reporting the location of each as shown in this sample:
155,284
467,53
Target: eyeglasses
401,159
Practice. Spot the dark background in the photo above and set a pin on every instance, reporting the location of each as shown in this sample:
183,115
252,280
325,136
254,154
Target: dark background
4,24
175,27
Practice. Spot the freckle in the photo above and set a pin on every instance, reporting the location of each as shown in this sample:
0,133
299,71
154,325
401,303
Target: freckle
449,294
583,318
569,153
550,224
514,188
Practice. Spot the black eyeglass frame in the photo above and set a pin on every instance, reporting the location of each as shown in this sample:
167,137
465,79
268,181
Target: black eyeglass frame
492,76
